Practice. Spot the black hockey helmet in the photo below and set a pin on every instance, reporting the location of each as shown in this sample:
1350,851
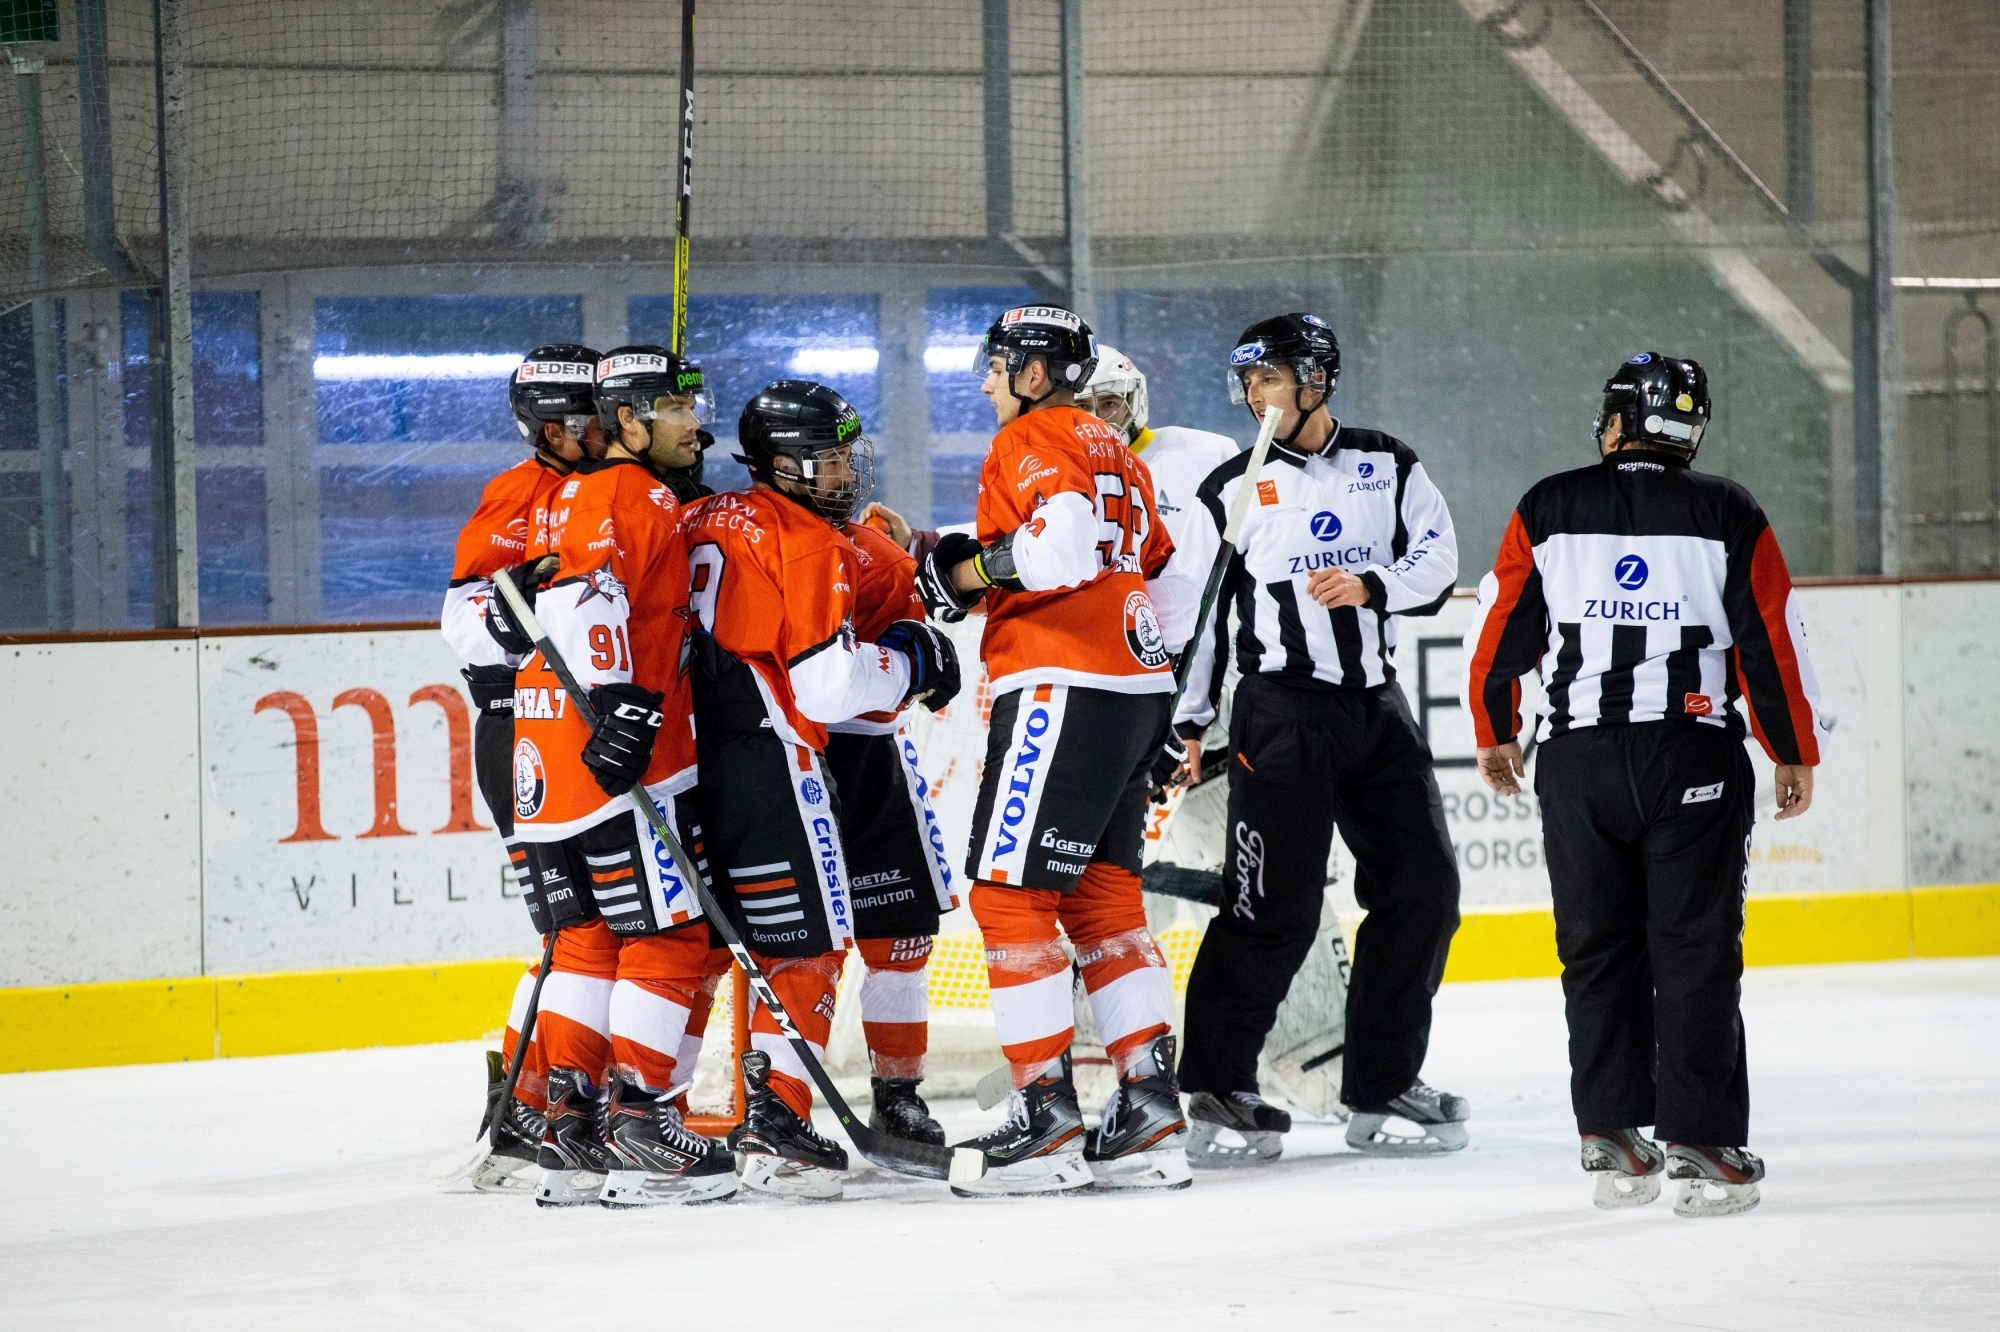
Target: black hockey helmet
1660,400
833,459
639,376
1304,342
1059,338
554,382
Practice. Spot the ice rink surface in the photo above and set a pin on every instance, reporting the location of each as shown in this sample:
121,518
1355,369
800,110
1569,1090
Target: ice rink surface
289,1193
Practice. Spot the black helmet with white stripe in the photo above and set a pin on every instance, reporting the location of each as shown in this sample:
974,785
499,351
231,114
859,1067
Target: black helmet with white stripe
1659,400
1304,342
802,439
556,382
1059,338
641,377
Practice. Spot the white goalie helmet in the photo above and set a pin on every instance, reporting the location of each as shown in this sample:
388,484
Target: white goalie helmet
1116,379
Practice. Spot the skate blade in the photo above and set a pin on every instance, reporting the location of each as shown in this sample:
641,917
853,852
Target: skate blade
1218,1147
1162,1167
637,1188
785,1178
1614,1190
1058,1172
1371,1134
1711,1197
568,1188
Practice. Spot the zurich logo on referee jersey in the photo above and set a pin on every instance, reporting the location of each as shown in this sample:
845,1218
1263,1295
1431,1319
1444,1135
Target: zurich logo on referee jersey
1326,525
1366,469
1630,571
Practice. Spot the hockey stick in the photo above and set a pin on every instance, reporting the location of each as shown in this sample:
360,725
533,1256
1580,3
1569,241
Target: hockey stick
462,1165
909,1158
684,193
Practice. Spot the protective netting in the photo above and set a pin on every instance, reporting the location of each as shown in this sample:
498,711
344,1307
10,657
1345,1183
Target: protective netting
1491,200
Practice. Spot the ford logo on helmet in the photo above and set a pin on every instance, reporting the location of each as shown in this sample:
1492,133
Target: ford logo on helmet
1314,320
1641,359
1248,352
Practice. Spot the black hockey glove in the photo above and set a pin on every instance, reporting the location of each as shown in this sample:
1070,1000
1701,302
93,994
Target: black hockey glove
621,744
492,690
933,661
934,584
500,621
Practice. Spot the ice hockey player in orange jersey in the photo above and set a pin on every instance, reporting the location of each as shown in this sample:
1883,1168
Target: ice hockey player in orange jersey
776,660
900,874
550,393
1068,544
634,970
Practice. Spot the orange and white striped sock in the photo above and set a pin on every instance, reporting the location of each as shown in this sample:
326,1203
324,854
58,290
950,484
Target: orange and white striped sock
896,1005
1124,972
1030,977
805,986
574,1029
661,983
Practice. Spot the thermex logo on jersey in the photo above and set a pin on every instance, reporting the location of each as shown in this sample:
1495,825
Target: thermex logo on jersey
1021,781
1142,632
531,784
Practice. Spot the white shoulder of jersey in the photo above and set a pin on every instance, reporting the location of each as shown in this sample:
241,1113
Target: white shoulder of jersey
1204,447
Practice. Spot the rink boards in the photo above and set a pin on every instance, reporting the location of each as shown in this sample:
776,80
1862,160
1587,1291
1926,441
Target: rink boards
271,840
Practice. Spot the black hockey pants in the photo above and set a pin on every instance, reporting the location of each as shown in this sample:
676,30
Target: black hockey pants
1647,836
1300,764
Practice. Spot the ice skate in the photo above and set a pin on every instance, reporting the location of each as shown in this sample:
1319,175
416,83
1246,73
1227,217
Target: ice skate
1627,1166
654,1158
901,1113
1438,1118
511,1167
1141,1140
1715,1181
776,1151
1038,1149
573,1158
1239,1129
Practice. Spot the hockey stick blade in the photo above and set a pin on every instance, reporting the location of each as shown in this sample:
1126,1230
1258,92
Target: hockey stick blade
457,1167
904,1157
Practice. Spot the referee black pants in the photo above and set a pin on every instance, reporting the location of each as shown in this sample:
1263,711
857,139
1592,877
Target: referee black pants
1647,837
1301,763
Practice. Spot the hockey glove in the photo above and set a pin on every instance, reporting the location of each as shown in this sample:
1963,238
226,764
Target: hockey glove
933,661
492,690
941,598
621,744
500,622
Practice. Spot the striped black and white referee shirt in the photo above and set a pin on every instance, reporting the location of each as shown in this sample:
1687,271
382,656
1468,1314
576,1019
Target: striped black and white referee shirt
1363,504
1644,590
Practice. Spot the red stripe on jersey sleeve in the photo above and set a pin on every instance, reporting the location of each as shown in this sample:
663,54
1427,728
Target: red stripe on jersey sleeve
1514,565
1771,587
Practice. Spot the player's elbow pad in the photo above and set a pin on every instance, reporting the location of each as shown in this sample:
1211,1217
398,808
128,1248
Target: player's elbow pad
839,682
1057,548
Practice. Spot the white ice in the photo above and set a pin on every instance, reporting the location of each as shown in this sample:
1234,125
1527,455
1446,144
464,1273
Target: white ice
289,1193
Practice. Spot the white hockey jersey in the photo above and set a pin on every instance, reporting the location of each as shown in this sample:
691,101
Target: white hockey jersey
1180,459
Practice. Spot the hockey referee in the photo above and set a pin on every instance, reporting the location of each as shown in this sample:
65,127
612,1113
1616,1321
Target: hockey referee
1347,533
1652,597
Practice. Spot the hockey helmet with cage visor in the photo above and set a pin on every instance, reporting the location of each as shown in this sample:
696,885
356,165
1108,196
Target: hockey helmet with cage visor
1059,338
653,382
554,384
1661,401
805,441
1116,393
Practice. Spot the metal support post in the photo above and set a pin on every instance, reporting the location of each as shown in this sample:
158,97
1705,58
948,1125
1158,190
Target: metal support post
176,588
1076,198
1799,110
902,329
1877,492
999,107
54,542
523,217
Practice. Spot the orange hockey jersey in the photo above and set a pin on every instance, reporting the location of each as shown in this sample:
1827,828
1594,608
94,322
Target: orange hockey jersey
617,612
513,505
1088,542
774,584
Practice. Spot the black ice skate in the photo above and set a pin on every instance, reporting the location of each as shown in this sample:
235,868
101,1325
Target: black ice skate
511,1167
1141,1140
776,1151
1438,1119
573,1159
654,1158
1038,1149
1239,1129
1627,1165
1715,1181
901,1113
